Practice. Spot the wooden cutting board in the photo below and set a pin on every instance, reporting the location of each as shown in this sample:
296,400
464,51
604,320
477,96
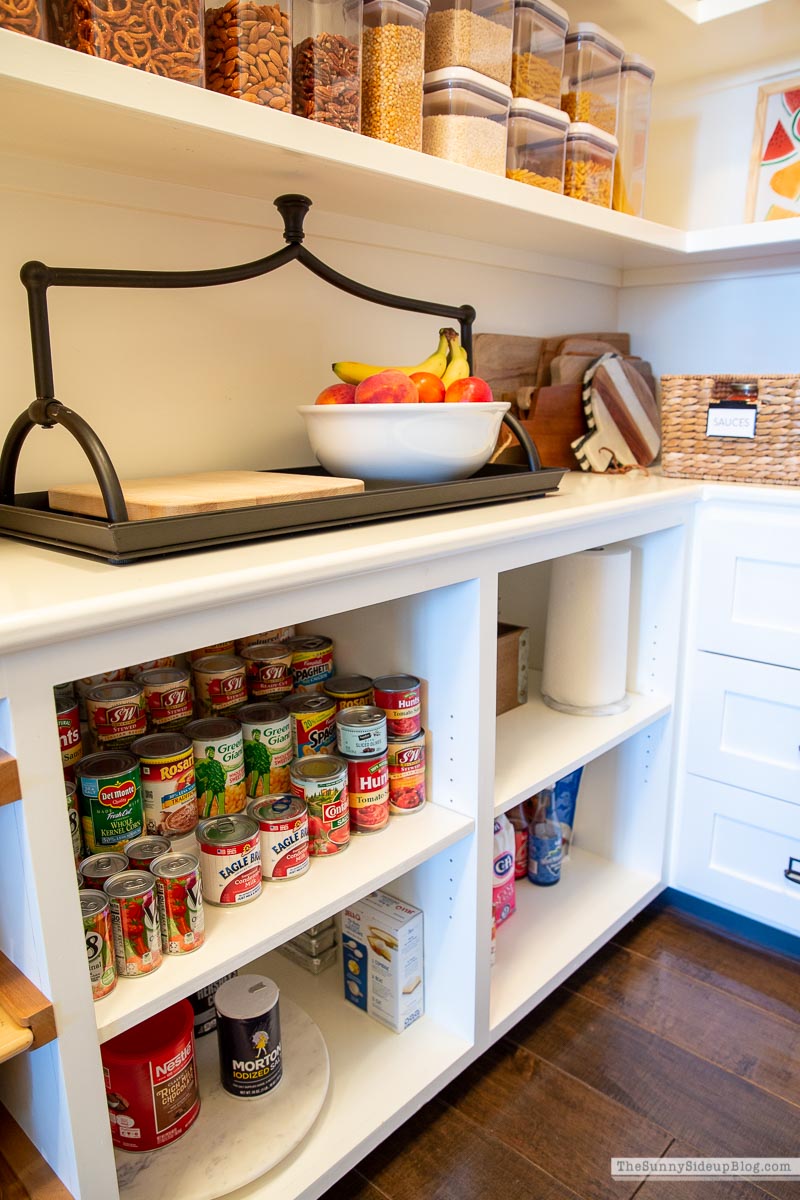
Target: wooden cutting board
506,362
205,491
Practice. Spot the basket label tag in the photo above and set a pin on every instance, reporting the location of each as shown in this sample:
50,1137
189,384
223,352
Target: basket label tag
731,419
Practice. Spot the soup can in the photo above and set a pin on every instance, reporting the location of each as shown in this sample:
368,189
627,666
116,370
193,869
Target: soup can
398,696
313,724
283,821
74,822
230,859
85,685
168,697
268,667
322,782
142,851
220,684
218,765
202,1001
312,661
134,921
169,798
99,943
407,774
69,735
116,715
214,648
249,1032
368,793
97,868
267,736
361,732
180,902
349,691
151,1080
110,799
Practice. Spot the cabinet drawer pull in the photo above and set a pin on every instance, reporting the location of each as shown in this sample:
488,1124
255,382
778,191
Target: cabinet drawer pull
792,872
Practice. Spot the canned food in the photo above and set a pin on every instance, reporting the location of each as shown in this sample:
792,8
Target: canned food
69,735
97,868
143,850
110,799
180,902
230,859
79,879
202,1001
268,666
215,648
398,696
349,691
268,635
361,732
322,782
283,821
407,774
169,798
84,686
64,691
267,735
249,1031
134,921
152,664
218,765
168,697
313,724
312,661
219,684
99,943
368,793
116,715
74,822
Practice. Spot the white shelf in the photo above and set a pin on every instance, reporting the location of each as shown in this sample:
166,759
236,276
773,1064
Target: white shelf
555,929
283,910
537,745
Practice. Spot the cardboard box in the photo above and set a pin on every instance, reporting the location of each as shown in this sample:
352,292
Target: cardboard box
382,957
512,667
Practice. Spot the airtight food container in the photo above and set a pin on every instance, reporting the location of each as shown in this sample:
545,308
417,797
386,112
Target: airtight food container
590,86
537,62
471,33
537,139
635,93
393,66
24,16
589,164
465,118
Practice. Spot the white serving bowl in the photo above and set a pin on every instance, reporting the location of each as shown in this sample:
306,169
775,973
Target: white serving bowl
403,443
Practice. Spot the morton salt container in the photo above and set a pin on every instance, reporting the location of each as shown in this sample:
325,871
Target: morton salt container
249,1032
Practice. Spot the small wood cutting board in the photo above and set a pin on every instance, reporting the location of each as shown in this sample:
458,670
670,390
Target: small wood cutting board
206,491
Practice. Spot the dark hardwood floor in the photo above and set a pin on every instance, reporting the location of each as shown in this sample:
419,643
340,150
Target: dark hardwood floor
675,1039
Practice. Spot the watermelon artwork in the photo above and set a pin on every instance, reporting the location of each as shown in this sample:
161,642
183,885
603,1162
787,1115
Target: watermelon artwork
777,187
779,147
792,101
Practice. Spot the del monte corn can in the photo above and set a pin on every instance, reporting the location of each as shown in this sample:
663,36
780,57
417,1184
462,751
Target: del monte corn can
110,799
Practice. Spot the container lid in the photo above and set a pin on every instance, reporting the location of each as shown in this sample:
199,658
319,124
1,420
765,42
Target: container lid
417,7
540,112
465,77
245,997
588,32
635,62
583,131
546,8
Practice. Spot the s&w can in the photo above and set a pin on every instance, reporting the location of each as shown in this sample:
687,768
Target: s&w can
249,1032
116,714
168,697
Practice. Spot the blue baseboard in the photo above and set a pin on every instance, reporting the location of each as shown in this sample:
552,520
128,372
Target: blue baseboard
739,926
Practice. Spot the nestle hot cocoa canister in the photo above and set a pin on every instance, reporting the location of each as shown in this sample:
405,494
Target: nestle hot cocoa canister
249,1033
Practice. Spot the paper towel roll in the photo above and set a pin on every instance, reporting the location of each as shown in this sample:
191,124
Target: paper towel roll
586,640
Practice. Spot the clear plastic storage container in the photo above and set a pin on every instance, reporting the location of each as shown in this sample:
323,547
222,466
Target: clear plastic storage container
465,118
589,164
248,51
537,63
158,38
471,33
393,65
24,16
635,93
326,62
537,139
590,89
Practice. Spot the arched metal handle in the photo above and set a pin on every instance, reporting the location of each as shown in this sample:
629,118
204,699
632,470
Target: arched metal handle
525,440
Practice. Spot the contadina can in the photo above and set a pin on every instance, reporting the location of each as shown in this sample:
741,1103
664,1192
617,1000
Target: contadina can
349,691
166,764
267,734
202,1001
219,684
110,799
407,774
361,732
168,696
134,920
368,793
322,782
398,696
69,734
97,868
283,821
313,724
116,715
151,1080
142,851
99,943
312,661
218,765
249,1032
230,859
268,666
180,902
74,822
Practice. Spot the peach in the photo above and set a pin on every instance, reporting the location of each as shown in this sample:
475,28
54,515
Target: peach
471,390
387,387
337,393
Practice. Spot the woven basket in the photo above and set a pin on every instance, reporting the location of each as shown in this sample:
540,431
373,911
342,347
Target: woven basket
773,456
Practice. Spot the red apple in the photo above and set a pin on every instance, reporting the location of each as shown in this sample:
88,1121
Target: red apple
429,386
469,391
337,393
387,387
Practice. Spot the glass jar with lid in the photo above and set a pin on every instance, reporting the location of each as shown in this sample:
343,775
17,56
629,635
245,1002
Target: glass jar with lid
471,33
248,51
24,16
590,88
393,65
326,62
589,164
537,64
537,139
635,92
465,118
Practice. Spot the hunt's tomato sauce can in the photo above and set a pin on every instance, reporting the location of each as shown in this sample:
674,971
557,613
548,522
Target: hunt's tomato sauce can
99,943
313,724
69,734
407,774
116,715
312,661
134,921
219,684
322,782
283,821
398,696
249,1033
168,697
110,800
368,793
230,859
151,1080
180,902
268,666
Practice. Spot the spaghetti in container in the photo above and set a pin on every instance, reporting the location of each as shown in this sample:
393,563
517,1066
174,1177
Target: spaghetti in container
161,37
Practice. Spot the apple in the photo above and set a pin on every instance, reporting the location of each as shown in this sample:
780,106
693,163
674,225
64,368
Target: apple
337,393
469,391
429,386
387,387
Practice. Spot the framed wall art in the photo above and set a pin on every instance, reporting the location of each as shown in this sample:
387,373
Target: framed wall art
773,190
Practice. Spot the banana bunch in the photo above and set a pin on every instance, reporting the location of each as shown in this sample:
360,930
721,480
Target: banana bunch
448,362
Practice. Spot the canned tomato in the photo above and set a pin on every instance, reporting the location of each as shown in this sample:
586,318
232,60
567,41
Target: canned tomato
215,648
322,782
151,1080
398,696
361,731
312,661
169,798
267,735
368,793
85,685
218,765
249,1031
202,1001
267,635
283,821
97,868
79,879
116,715
110,799
180,902
268,667
69,735
152,664
168,697
99,943
349,691
134,921
407,774
74,822
230,859
142,851
219,684
313,724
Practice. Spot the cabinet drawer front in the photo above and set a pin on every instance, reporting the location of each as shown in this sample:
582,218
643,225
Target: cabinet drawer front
734,849
749,586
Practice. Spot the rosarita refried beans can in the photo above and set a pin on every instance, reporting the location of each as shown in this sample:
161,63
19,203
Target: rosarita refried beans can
151,1080
283,821
249,1032
109,799
230,859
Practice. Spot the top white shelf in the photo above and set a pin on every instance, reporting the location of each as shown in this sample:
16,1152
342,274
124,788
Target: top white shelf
72,108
